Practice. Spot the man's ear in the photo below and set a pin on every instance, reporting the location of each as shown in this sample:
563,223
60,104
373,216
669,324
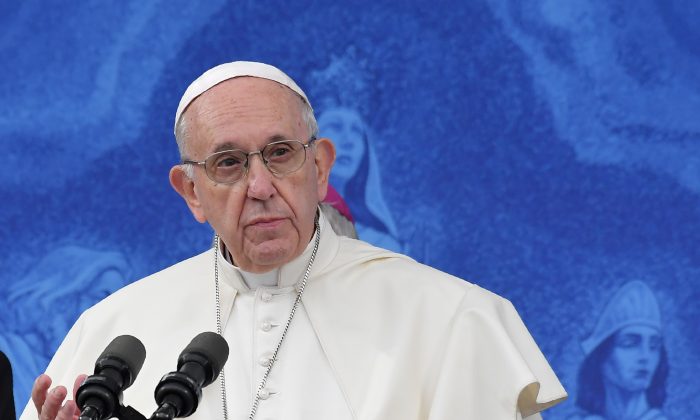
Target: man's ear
184,186
325,156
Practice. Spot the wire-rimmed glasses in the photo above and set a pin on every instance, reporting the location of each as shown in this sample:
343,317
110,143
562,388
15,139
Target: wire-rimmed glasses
280,157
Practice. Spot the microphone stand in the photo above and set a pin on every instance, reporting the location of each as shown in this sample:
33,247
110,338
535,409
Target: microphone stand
129,413
123,413
164,412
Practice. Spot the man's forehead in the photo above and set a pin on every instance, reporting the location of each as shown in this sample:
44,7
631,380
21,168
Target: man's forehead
227,71
244,99
244,113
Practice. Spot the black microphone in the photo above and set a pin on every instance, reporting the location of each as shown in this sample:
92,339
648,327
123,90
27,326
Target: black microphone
178,393
100,395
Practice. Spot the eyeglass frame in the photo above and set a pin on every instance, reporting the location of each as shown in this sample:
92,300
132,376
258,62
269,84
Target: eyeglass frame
246,165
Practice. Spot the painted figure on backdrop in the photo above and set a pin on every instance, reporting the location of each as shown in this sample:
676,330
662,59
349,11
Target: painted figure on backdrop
633,103
356,176
623,375
70,277
345,97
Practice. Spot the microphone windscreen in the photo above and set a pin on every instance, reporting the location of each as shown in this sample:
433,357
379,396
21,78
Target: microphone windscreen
129,349
210,345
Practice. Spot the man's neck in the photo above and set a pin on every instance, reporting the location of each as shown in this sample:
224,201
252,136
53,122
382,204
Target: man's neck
268,278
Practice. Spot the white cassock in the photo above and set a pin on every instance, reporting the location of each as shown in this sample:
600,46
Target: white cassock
376,337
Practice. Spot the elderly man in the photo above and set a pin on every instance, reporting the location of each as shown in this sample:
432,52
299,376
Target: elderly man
319,326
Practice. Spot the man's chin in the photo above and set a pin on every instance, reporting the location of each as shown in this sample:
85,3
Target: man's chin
270,255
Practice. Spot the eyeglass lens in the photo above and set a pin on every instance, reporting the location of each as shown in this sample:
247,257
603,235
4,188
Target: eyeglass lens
280,158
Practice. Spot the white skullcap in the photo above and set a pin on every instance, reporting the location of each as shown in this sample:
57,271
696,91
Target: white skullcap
223,72
633,304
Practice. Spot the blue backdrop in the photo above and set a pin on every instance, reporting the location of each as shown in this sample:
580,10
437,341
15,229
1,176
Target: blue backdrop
546,150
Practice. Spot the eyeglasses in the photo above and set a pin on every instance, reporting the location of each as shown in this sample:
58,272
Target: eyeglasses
280,158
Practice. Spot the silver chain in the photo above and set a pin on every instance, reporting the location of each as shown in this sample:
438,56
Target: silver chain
222,378
273,358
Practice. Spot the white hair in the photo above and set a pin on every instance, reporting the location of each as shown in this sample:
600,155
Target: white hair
182,128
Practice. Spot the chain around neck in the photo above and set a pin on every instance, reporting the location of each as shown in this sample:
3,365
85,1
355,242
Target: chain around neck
219,330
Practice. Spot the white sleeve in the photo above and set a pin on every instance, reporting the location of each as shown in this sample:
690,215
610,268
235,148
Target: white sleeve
491,366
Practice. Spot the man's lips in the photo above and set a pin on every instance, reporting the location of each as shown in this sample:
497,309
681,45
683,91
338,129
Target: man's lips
266,222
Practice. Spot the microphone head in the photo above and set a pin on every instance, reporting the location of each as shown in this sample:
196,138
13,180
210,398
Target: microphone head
127,349
212,347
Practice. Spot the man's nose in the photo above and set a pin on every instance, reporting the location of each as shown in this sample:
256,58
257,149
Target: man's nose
260,178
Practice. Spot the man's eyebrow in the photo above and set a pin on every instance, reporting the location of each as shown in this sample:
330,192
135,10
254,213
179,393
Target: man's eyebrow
278,137
225,146
232,146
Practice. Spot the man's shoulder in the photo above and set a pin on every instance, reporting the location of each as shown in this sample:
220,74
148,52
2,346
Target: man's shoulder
375,262
183,271
179,277
378,272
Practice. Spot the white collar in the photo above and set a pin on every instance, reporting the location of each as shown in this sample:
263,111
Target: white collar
273,277
291,273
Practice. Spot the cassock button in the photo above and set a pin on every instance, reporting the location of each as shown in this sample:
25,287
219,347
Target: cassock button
264,394
266,326
264,361
266,296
